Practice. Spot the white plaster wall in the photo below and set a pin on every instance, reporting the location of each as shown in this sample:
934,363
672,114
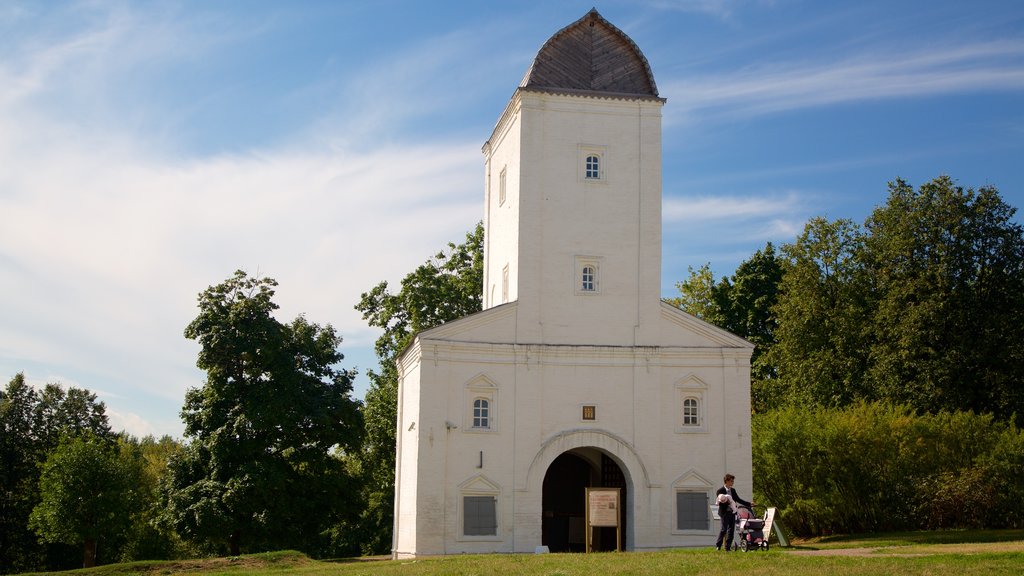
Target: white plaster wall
539,393
501,219
552,215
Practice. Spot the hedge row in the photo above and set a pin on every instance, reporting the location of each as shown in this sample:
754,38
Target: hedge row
878,467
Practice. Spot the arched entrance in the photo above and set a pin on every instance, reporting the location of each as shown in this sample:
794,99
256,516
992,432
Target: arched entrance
563,500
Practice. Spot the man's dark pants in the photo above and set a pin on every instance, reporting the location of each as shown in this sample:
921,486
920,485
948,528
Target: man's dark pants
728,525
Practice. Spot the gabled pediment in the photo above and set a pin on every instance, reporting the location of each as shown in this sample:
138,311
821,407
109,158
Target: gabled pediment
688,330
479,483
485,326
691,382
481,381
691,479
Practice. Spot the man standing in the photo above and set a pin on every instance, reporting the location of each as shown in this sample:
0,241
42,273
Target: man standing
727,500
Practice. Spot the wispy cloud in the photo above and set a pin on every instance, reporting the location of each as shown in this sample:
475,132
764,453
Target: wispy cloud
969,68
717,207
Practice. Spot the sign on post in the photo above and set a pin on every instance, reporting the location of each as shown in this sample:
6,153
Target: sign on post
603,510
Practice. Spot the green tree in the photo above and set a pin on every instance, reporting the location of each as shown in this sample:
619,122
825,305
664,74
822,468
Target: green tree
700,296
31,425
259,470
823,309
947,266
446,287
89,492
149,538
750,298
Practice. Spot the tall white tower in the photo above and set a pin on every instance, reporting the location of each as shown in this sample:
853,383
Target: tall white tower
576,375
573,193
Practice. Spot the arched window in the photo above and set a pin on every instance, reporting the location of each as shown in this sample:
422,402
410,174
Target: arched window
588,278
481,413
691,412
593,167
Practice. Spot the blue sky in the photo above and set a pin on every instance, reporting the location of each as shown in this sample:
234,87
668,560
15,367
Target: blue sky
149,149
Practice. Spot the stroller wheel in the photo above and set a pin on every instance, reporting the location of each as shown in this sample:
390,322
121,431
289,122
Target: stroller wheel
765,546
743,545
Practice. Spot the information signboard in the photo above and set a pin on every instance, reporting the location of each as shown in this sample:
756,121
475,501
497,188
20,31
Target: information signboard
603,510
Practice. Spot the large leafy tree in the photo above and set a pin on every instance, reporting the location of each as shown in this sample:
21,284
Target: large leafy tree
923,305
259,471
820,352
32,423
947,267
446,287
89,492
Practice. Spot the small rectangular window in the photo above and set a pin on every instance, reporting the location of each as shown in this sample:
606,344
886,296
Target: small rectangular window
692,511
479,516
590,412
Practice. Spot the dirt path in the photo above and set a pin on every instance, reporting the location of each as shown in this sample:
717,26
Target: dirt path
916,550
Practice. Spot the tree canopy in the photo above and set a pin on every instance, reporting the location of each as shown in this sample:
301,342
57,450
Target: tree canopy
32,423
89,491
259,471
921,305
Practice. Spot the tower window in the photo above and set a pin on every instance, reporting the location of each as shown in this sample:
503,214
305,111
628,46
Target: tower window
588,275
589,278
591,163
593,167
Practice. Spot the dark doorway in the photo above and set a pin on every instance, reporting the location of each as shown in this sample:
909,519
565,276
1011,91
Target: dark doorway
565,483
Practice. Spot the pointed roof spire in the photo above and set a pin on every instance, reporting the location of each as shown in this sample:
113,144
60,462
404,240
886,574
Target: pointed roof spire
591,55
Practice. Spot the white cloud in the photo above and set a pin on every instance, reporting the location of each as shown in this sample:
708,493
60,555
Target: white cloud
106,240
733,208
989,66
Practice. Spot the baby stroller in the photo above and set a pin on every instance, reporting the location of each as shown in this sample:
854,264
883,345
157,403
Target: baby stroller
750,531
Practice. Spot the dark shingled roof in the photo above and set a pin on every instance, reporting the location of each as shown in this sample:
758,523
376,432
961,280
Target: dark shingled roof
591,55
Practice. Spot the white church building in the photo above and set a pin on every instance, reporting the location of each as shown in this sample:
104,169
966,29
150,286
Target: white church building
575,375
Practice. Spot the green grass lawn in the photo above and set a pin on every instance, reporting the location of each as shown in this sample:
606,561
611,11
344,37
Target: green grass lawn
952,552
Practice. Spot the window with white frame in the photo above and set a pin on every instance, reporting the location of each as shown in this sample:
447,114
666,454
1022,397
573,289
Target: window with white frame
480,405
689,406
691,411
692,510
481,413
592,163
592,170
588,275
589,279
